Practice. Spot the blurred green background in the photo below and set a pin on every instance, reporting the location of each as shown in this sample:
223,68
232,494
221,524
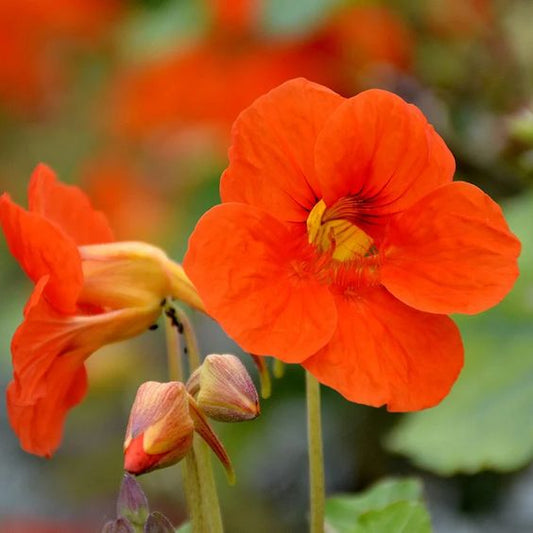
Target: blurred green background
133,100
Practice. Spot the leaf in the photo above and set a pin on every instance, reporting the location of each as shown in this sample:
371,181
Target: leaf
390,506
399,517
486,422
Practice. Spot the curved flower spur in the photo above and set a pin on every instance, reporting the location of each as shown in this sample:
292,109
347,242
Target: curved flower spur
89,291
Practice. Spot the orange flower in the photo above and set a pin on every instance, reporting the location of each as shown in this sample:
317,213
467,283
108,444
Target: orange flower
89,291
342,243
206,85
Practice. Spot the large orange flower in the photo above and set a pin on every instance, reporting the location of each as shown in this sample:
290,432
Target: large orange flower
89,291
342,244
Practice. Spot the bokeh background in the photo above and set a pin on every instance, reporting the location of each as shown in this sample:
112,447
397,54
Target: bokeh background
133,100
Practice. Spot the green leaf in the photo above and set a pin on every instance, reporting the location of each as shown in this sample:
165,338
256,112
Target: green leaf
390,506
399,517
486,422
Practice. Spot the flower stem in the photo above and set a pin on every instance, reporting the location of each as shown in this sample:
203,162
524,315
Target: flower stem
211,506
175,366
191,483
316,456
193,494
198,458
189,336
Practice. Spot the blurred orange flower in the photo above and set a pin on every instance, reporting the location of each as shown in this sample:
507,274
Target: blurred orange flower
342,243
209,83
132,204
89,291
31,38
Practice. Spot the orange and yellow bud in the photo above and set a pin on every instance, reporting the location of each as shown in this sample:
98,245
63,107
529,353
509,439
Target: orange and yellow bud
160,429
224,390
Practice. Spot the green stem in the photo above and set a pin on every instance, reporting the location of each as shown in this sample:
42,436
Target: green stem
210,506
316,455
189,336
193,493
175,366
191,481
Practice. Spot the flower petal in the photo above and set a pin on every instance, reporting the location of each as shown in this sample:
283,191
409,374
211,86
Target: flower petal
48,352
248,269
39,425
452,252
68,207
42,249
381,150
384,352
272,155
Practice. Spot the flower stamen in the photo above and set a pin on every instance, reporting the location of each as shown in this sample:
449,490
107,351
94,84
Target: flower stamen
331,229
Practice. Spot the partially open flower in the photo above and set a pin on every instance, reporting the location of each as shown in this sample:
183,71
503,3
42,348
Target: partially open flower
89,291
160,429
225,389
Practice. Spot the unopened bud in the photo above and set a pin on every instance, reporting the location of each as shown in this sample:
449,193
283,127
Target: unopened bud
120,525
160,429
225,391
158,523
132,503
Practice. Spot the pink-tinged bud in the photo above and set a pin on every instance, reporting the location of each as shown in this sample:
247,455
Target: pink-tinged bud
158,523
160,429
225,391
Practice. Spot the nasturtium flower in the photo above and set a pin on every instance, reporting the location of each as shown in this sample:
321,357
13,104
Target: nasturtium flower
89,291
342,243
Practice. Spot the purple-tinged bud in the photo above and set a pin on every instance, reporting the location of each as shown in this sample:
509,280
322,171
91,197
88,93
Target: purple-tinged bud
160,429
132,503
120,525
224,389
158,523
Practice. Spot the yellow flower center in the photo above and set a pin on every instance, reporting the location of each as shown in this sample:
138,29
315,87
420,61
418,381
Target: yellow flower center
331,229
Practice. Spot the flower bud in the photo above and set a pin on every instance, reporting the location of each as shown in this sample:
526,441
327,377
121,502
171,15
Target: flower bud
132,503
225,390
160,429
120,525
158,523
